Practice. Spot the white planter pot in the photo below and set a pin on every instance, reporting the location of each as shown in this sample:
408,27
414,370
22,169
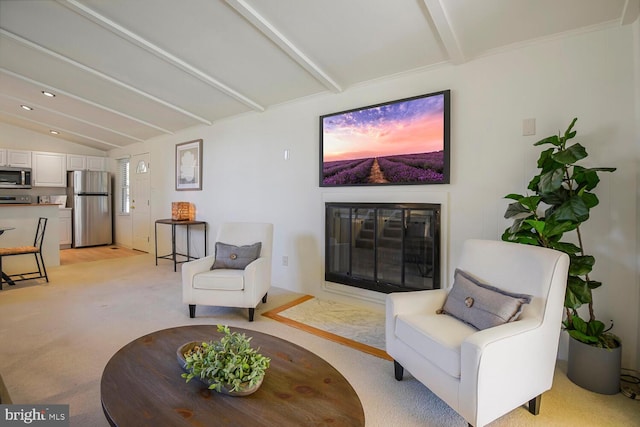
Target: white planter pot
595,369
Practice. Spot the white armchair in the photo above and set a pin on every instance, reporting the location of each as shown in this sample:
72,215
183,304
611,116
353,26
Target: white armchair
224,287
484,374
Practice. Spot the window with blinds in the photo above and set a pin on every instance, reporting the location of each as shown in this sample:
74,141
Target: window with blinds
123,186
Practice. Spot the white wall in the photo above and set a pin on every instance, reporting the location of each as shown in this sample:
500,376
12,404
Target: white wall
636,55
590,76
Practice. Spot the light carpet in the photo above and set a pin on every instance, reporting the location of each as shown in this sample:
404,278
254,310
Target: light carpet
56,338
353,326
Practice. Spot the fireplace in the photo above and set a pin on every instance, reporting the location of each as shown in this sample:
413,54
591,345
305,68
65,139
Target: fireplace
383,247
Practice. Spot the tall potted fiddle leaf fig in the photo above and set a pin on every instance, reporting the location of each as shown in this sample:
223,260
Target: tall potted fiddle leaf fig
560,200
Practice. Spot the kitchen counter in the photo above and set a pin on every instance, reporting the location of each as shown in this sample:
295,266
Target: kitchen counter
24,218
8,205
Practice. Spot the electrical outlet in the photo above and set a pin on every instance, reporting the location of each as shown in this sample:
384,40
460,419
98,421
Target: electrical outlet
285,260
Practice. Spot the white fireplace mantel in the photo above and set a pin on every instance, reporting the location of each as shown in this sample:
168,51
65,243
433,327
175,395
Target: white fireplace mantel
390,195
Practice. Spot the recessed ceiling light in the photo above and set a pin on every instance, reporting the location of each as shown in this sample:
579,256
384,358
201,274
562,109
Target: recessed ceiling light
26,107
49,94
54,132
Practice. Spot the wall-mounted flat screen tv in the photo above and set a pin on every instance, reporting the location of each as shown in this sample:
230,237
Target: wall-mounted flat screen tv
394,143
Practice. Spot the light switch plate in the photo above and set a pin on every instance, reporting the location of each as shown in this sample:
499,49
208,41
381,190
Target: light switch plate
528,127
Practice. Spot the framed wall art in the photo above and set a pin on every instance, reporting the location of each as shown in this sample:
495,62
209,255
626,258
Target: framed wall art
399,142
189,165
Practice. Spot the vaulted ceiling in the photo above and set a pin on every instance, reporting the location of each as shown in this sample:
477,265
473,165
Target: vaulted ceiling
124,71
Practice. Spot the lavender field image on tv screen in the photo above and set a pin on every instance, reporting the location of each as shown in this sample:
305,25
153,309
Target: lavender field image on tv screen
401,142
382,170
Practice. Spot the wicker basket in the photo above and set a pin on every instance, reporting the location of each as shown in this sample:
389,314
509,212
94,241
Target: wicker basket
183,211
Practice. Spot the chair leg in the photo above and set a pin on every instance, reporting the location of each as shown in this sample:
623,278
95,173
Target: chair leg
398,370
41,267
534,405
1,274
35,255
251,313
46,276
264,299
192,310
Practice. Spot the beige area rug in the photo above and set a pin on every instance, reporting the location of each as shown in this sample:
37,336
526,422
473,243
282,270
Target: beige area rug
353,326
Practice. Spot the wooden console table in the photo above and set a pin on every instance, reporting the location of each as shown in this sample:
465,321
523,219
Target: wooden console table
141,385
174,253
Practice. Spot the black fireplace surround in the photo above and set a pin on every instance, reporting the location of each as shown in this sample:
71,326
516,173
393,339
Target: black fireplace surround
383,247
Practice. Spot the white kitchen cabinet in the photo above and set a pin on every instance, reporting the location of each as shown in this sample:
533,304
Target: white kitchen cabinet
49,169
96,163
76,162
19,158
79,162
65,227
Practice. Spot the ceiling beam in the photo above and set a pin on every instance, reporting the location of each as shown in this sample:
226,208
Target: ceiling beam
445,30
139,41
83,100
37,106
62,130
272,33
101,75
631,12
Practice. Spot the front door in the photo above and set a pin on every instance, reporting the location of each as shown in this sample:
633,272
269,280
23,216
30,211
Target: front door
140,202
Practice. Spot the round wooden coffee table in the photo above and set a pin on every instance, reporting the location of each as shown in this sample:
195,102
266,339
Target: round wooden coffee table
141,385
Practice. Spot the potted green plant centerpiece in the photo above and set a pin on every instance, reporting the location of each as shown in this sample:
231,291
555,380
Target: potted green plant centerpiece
229,366
559,203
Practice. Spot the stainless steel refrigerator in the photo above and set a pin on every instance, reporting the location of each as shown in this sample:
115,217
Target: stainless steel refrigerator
89,193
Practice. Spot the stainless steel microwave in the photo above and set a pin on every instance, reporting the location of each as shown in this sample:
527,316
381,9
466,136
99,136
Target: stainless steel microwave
11,177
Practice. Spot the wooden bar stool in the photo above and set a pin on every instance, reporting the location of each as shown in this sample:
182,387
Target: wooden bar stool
36,250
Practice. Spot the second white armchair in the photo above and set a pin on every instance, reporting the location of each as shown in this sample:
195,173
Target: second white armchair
480,370
238,274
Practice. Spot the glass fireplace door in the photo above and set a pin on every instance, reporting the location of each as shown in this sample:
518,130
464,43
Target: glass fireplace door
383,247
419,251
389,245
363,243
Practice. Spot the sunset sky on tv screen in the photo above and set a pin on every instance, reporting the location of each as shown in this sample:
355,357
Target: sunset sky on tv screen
407,127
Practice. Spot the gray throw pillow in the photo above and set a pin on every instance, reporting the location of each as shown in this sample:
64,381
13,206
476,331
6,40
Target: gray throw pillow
481,305
235,257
